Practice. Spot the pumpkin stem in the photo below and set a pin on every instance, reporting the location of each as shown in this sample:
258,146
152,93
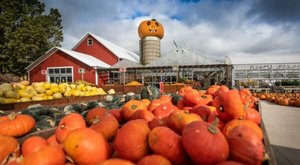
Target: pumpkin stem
212,128
12,116
149,91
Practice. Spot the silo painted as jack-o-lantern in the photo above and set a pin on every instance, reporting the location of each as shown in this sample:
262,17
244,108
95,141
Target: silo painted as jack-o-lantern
150,32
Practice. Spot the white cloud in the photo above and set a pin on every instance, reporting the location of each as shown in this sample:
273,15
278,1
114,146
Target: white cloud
212,28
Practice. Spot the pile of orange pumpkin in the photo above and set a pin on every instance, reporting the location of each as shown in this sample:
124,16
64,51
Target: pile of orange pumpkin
217,126
285,99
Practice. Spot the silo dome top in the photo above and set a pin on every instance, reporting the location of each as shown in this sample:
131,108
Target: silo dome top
151,28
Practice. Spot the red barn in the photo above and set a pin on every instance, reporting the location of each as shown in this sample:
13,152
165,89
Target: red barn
81,63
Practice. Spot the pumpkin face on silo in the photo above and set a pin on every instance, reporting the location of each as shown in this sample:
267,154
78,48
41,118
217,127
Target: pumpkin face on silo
151,28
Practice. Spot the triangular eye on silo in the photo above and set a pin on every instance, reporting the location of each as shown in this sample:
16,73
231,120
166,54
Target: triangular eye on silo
148,23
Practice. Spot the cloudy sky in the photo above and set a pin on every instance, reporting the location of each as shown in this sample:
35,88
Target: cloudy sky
245,30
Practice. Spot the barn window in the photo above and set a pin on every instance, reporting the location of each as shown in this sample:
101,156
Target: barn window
90,41
60,74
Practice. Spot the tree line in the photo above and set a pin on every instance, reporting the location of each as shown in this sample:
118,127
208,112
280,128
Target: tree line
27,31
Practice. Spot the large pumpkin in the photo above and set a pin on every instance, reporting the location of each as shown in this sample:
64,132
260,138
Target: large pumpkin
205,143
48,155
141,114
9,148
164,141
150,28
33,144
107,126
164,110
132,106
229,126
232,104
67,124
16,124
131,140
86,146
245,146
177,120
94,114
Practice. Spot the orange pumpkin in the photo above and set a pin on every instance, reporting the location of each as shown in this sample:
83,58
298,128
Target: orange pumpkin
150,28
9,148
146,102
212,89
165,98
130,107
94,114
86,146
229,126
67,124
205,143
164,110
51,140
16,124
253,115
221,90
33,144
116,161
141,114
177,120
154,104
131,140
245,146
204,111
107,126
154,159
165,142
48,155
156,122
232,104
117,113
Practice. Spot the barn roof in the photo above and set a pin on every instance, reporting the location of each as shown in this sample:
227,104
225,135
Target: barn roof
115,49
84,58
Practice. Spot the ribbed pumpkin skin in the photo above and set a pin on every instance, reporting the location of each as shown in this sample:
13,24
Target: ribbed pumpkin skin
203,146
142,114
8,146
48,155
94,114
19,125
232,104
131,107
235,122
33,144
164,141
253,115
131,140
86,146
67,124
154,159
107,126
177,120
245,146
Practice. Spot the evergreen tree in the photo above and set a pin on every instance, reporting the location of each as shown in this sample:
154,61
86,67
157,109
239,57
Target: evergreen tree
26,33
